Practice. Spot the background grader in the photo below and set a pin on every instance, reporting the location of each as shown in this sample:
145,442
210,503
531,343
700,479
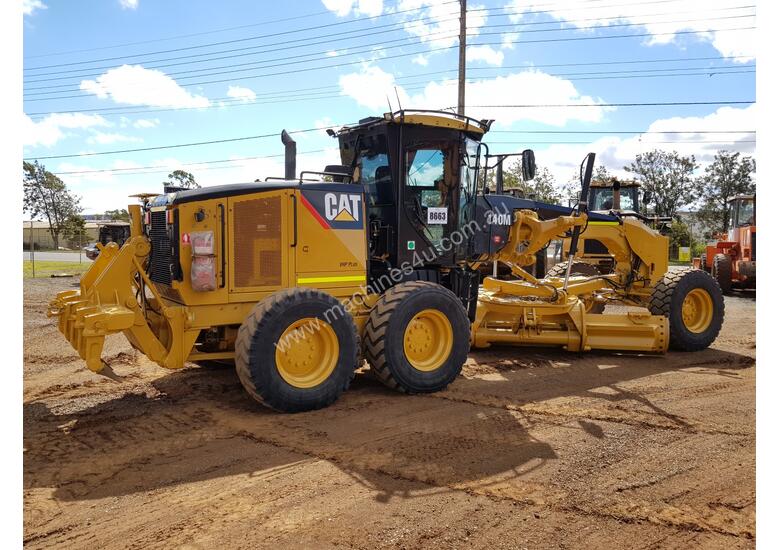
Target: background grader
297,281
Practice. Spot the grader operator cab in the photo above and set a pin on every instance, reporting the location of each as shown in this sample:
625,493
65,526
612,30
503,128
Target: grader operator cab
298,281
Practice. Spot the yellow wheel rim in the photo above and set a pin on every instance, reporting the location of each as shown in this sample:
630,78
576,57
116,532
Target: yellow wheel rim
697,310
428,340
307,352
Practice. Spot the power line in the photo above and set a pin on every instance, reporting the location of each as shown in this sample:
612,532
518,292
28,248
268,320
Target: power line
525,11
248,77
168,167
211,142
417,75
269,35
331,37
264,101
283,62
176,146
138,169
648,104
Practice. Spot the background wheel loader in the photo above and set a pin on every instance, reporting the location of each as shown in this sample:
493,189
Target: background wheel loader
296,281
732,259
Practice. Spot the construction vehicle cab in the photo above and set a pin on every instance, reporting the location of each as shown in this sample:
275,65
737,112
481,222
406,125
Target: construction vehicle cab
604,193
297,280
732,259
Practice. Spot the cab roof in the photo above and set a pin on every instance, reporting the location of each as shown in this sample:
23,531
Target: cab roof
437,119
608,183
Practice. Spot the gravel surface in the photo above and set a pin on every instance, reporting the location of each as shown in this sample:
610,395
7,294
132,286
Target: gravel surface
529,448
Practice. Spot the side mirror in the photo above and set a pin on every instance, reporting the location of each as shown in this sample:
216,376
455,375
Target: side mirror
645,198
529,165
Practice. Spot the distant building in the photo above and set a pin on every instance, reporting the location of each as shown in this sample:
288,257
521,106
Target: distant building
43,240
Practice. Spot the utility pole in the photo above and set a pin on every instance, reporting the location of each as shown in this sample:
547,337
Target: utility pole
462,61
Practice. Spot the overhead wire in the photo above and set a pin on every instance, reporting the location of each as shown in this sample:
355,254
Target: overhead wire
307,69
371,32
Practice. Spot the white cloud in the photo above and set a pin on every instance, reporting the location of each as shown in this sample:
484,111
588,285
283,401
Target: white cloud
135,85
240,93
484,53
371,86
343,8
508,39
107,139
49,130
128,4
331,53
696,15
438,24
146,123
615,152
420,60
29,6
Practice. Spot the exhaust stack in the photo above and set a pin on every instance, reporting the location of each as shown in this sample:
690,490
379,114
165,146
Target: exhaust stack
290,151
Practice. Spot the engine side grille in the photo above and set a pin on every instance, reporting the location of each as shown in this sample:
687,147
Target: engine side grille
161,256
257,228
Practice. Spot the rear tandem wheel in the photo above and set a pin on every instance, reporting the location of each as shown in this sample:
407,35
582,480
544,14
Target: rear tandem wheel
417,337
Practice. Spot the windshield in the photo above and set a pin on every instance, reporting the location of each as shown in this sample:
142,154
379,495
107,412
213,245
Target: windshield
745,213
602,199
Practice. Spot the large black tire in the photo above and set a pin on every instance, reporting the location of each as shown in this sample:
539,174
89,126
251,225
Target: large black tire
256,349
385,334
721,270
703,262
578,268
668,298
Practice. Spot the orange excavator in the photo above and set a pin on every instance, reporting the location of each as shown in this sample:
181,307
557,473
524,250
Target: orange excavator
732,260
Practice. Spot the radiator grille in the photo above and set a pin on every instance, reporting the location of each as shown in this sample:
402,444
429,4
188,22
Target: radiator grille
161,256
257,228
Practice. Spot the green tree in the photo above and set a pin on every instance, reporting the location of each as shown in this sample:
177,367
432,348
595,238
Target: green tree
47,196
117,215
180,178
667,179
75,229
541,188
600,174
727,175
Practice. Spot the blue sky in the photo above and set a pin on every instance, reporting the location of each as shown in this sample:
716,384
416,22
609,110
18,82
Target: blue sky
128,74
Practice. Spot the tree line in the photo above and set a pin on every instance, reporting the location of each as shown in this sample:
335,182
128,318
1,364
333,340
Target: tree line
667,180
47,197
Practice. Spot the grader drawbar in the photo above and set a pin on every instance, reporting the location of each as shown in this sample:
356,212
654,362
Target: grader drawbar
298,280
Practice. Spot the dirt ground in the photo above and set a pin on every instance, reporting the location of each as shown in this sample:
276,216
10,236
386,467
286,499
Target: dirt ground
527,449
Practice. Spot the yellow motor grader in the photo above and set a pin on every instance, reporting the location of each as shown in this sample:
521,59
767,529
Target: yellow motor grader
297,280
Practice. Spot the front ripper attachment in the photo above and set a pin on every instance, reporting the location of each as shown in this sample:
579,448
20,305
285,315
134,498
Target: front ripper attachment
106,304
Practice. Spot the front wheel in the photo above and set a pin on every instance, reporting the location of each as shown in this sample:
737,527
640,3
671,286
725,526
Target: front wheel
297,350
693,303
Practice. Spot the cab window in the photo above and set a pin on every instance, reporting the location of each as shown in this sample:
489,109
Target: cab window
374,166
745,213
